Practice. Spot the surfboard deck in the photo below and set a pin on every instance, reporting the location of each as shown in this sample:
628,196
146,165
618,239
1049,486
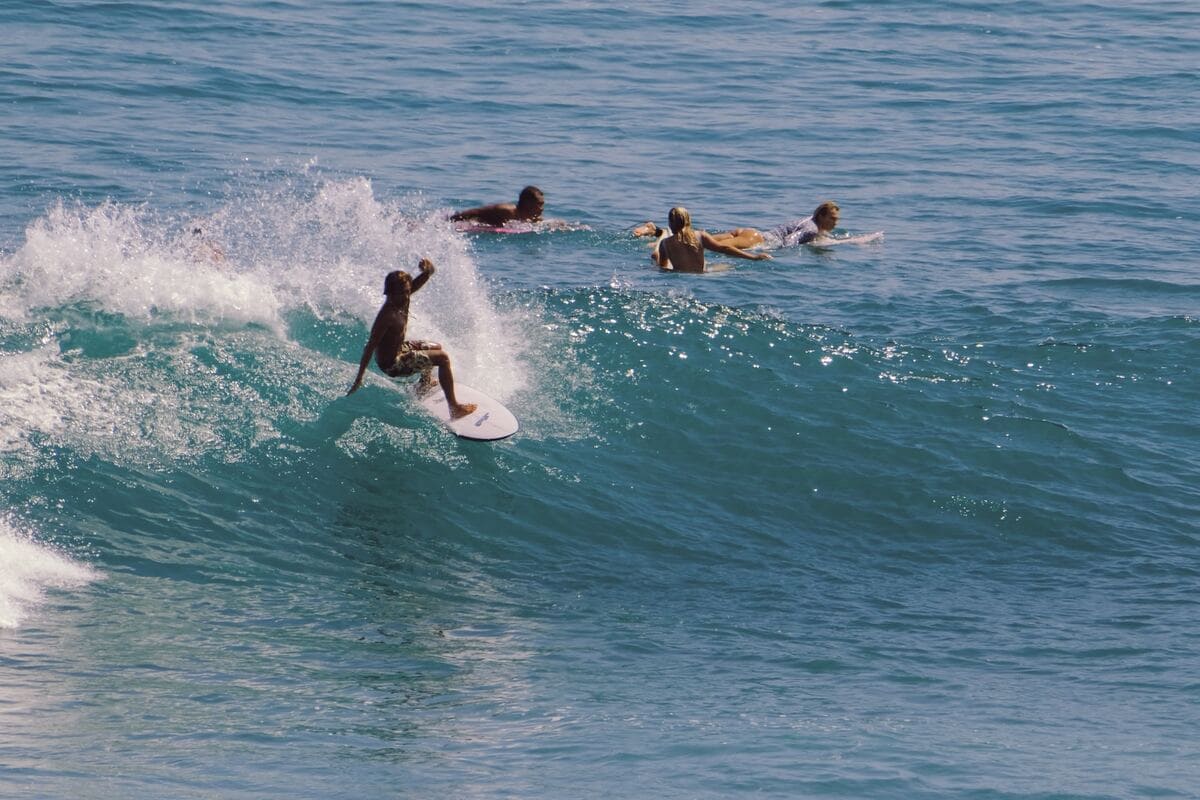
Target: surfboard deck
489,422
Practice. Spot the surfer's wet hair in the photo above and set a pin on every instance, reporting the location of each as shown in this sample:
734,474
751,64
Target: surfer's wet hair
680,222
678,218
530,195
396,282
828,207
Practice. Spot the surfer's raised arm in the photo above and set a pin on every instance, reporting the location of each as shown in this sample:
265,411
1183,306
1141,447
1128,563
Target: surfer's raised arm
427,269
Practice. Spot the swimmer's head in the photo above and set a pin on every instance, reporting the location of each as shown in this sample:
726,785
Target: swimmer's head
679,218
397,282
826,216
531,203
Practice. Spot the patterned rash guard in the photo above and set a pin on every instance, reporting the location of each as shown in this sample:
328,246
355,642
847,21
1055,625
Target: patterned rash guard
802,231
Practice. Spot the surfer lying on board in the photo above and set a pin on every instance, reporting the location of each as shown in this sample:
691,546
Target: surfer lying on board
683,250
398,357
528,208
802,231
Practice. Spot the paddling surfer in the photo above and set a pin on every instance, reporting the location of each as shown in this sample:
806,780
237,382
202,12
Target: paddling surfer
528,208
810,230
397,356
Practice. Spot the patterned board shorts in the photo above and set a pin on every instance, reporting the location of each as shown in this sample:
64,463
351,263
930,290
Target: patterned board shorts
412,359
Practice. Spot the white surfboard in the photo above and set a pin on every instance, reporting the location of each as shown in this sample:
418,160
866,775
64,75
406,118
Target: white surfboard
488,422
709,266
862,238
476,227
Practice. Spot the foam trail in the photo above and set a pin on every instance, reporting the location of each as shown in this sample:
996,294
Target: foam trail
28,569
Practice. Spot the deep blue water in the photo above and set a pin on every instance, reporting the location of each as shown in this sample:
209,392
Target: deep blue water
913,519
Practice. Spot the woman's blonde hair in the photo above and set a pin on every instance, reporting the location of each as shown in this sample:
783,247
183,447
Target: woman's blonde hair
681,225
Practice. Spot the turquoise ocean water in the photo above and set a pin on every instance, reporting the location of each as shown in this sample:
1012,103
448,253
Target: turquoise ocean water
915,519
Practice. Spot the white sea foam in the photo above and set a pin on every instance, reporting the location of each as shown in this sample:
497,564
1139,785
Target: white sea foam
120,260
27,381
28,569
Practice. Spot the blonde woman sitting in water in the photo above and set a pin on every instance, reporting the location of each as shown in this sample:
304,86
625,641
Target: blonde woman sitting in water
683,250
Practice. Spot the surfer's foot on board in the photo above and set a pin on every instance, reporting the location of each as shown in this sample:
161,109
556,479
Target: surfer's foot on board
461,410
425,387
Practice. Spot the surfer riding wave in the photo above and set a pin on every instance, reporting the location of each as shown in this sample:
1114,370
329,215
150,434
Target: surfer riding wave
398,357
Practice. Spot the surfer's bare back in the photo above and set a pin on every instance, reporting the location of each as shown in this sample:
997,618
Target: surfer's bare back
398,357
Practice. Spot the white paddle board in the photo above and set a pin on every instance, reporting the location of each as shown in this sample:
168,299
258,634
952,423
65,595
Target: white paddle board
488,422
862,238
709,266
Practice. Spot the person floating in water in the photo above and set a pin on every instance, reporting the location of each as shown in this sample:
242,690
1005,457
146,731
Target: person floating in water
398,357
528,208
810,230
683,250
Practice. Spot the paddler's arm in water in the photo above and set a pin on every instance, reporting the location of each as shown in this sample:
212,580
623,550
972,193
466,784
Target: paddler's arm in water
377,331
712,244
495,215
469,215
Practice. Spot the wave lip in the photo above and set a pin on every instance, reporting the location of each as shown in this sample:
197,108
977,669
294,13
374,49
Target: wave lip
28,569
